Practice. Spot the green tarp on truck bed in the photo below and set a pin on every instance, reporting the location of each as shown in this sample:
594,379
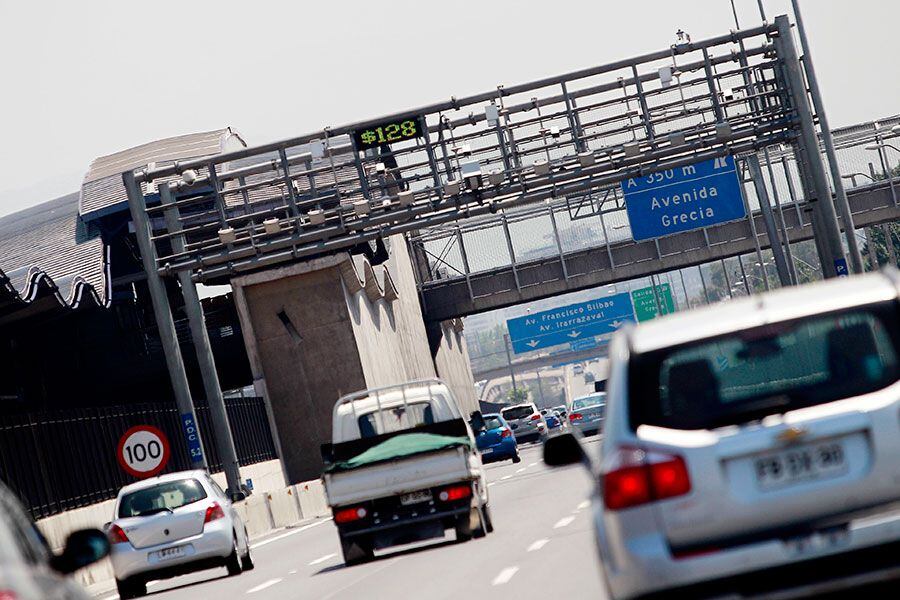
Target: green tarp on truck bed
400,446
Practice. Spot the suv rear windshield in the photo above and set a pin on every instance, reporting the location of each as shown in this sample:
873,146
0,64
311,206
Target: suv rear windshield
772,369
161,498
517,412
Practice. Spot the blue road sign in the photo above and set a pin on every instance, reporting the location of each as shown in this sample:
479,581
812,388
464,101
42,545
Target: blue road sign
840,267
684,198
568,323
192,437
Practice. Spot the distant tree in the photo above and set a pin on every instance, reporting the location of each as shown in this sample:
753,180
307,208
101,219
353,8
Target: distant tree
517,396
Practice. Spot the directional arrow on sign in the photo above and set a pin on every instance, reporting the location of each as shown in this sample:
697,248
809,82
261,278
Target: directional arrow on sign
574,334
532,343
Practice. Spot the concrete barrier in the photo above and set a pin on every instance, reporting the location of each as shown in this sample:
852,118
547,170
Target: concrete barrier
311,495
284,507
256,514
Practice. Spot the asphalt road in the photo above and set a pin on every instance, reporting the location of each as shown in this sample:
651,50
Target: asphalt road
542,547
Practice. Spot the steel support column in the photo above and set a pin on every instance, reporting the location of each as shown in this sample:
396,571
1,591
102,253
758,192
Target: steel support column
161,309
762,195
205,359
820,198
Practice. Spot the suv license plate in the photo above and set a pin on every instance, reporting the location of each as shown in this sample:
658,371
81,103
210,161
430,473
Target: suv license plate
804,463
415,497
170,553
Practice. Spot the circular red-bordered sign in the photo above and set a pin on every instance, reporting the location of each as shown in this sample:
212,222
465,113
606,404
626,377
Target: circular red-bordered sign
143,451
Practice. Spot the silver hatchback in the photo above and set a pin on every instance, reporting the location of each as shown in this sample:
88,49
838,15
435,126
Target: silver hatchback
526,422
172,525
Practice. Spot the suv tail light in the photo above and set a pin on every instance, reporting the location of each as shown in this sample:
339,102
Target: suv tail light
638,477
535,417
505,433
213,512
348,515
8,595
116,535
575,417
455,492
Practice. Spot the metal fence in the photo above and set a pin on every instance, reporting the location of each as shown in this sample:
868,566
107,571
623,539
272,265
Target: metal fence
60,460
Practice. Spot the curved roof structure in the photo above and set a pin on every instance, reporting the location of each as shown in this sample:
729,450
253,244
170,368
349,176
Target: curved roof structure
55,250
48,251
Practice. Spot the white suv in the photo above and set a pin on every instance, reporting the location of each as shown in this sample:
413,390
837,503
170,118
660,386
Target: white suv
753,446
526,422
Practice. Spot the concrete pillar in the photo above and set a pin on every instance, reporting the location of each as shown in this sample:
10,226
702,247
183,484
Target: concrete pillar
330,326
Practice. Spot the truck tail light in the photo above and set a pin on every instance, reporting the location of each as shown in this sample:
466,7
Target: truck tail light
348,515
213,512
455,492
638,477
116,535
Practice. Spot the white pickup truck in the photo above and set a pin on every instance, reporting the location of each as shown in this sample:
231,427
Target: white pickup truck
402,467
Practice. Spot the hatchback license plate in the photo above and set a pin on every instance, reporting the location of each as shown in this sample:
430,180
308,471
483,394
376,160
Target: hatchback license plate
805,463
170,553
487,450
415,497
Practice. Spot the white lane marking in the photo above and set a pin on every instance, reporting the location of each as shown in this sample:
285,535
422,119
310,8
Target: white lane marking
584,505
505,575
537,545
292,572
322,559
264,585
522,470
532,464
491,483
288,534
505,477
564,522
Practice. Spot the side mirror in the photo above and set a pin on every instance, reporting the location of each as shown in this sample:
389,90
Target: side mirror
83,548
237,496
477,420
564,449
327,451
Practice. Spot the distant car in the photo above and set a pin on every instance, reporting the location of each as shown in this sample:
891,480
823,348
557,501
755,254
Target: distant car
171,525
562,410
496,441
28,568
587,413
526,422
751,447
553,420
578,369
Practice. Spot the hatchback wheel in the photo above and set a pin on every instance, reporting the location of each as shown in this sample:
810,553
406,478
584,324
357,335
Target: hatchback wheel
247,560
233,562
517,459
131,588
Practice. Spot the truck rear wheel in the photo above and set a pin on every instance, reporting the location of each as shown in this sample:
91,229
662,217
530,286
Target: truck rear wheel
471,525
356,552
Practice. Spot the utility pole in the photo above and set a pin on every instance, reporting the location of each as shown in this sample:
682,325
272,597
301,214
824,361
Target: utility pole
512,373
843,205
164,323
217,412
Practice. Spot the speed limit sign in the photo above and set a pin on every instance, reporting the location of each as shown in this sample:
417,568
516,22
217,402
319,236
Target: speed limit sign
143,451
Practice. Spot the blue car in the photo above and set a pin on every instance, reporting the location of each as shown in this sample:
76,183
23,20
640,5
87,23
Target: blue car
552,417
496,441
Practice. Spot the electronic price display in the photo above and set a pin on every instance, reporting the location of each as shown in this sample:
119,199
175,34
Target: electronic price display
389,132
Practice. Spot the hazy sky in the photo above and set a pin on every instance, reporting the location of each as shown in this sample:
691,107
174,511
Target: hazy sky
87,78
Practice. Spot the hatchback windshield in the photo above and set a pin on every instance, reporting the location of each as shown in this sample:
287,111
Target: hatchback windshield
517,412
593,400
163,497
749,374
492,423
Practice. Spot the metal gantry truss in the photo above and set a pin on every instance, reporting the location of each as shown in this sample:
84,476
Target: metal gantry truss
565,137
